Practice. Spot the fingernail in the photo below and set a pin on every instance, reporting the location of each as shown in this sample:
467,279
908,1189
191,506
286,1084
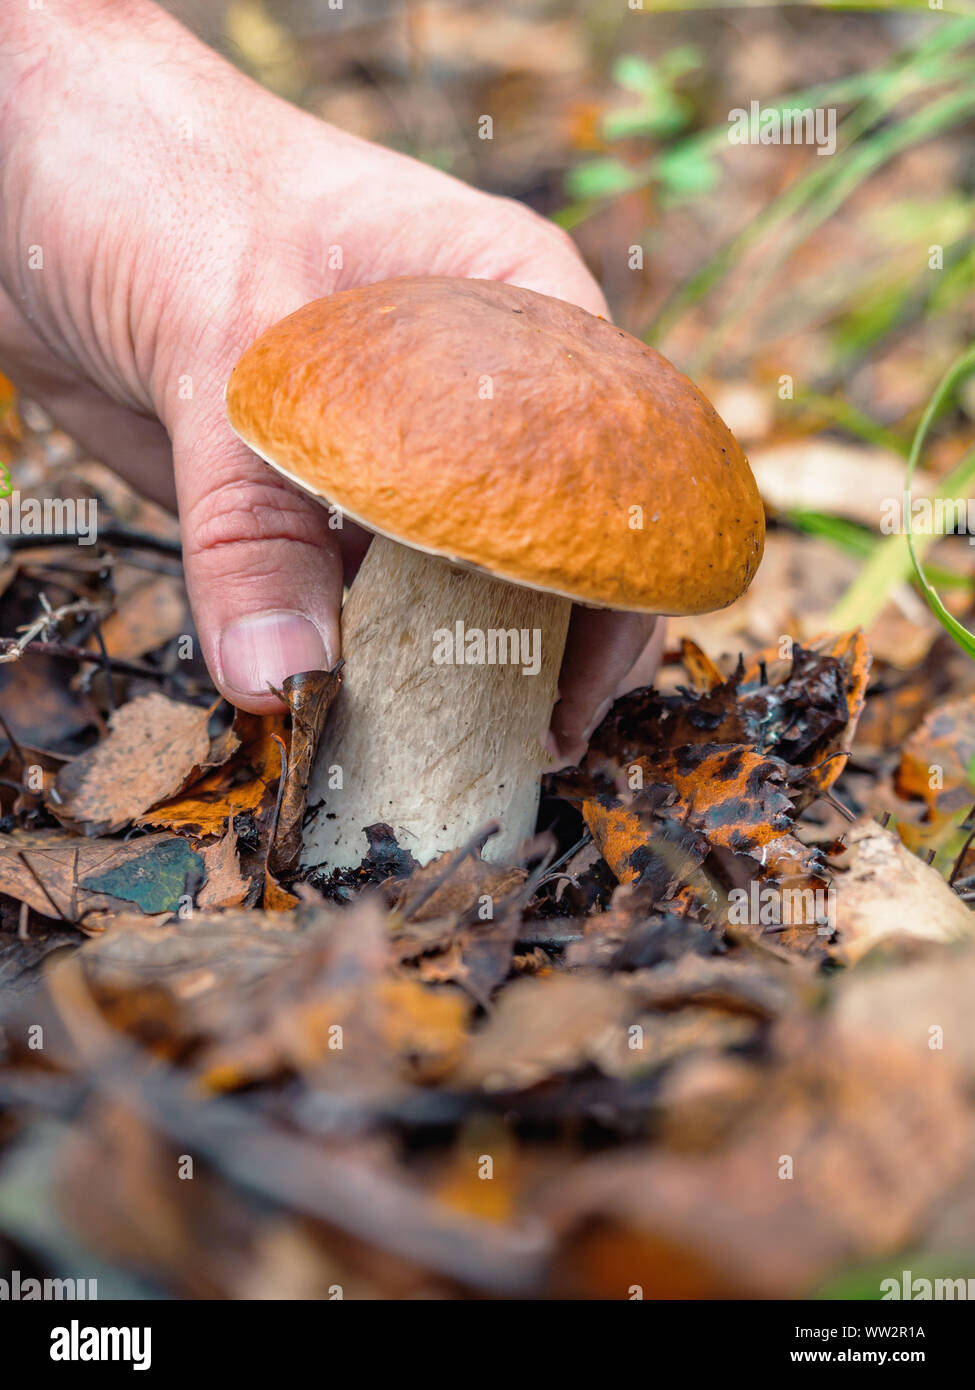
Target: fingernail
266,648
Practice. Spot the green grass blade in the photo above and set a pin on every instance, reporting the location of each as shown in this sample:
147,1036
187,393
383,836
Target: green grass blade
894,558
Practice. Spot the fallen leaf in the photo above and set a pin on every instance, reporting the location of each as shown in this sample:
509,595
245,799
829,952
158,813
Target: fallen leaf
225,885
541,1026
80,876
148,615
924,1006
873,1140
309,697
153,746
937,758
239,786
822,475
699,666
888,895
447,888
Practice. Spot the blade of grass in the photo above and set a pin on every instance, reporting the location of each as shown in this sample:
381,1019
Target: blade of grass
838,92
956,373
859,541
837,411
893,558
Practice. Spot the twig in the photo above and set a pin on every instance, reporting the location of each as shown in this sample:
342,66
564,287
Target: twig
548,935
837,805
114,534
805,772
535,879
48,620
571,851
73,653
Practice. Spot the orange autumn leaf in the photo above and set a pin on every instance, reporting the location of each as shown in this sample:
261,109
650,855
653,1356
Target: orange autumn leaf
699,666
936,759
237,787
732,793
619,836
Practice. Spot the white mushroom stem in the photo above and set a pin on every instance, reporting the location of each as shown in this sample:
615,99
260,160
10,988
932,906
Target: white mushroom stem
447,692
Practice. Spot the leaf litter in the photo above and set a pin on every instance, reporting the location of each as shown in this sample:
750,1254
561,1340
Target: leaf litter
619,1061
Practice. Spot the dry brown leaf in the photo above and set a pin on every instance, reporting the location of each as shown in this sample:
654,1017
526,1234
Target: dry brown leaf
153,745
699,666
147,616
936,758
225,886
888,894
872,1140
63,875
276,897
205,966
924,1005
822,475
542,1025
309,697
335,1011
461,888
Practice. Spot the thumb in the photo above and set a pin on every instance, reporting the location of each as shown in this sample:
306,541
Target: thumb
263,568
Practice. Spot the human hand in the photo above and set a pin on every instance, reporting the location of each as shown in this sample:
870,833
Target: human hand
158,210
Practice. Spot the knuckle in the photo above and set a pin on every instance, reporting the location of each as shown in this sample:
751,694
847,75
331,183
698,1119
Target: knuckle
234,515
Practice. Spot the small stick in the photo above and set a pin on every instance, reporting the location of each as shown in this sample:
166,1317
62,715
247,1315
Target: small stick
837,805
73,653
48,620
572,850
115,534
807,772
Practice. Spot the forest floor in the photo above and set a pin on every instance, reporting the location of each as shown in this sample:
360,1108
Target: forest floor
712,1035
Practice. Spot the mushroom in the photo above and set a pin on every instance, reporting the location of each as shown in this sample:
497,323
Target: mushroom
512,454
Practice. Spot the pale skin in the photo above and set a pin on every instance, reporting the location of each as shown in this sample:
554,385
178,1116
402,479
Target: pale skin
179,210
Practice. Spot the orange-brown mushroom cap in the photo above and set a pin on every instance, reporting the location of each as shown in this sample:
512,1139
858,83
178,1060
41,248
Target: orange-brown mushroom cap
509,431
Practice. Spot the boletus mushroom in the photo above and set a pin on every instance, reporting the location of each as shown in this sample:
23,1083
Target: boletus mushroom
512,454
